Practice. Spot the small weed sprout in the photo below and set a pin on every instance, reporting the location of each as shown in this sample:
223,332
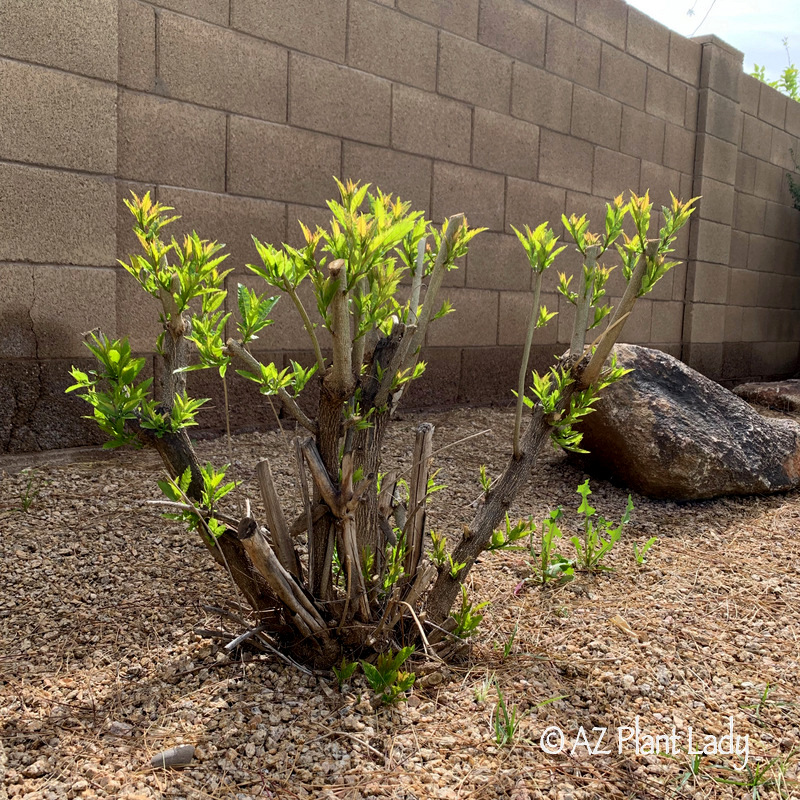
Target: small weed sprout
344,671
641,555
547,564
386,677
763,702
506,720
599,535
508,645
758,778
30,492
692,773
481,691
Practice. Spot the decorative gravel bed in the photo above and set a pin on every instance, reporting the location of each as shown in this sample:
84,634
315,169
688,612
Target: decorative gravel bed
100,667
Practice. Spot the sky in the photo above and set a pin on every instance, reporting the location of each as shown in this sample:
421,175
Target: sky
756,27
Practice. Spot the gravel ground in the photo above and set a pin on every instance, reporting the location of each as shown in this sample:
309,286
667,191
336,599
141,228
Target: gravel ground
100,667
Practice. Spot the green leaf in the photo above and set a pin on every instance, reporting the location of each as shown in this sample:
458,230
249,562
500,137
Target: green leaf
584,491
373,676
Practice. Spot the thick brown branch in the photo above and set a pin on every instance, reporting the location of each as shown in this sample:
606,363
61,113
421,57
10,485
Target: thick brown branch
340,377
330,494
417,495
489,517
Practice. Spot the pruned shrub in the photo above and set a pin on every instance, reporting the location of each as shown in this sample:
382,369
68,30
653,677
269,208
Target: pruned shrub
368,580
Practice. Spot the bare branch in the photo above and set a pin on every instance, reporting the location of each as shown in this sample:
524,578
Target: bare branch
417,494
306,515
526,354
454,223
330,494
358,492
309,326
355,579
359,342
584,302
591,373
416,282
243,637
294,410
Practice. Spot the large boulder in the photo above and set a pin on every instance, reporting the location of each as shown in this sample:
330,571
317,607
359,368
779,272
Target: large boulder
668,432
780,395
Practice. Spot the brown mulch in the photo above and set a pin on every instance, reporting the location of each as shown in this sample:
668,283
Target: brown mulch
100,667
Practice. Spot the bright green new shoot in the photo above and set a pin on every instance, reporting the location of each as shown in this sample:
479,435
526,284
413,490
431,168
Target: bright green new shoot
386,677
548,565
486,481
438,553
467,617
212,492
441,558
345,671
504,540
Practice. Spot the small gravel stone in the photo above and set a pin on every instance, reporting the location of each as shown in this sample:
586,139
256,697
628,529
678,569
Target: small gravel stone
177,756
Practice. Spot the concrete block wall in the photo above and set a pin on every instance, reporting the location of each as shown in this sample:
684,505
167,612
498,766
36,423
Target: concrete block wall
58,159
239,112
742,305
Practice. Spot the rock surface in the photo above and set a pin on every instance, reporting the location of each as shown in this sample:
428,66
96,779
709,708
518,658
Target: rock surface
780,395
668,432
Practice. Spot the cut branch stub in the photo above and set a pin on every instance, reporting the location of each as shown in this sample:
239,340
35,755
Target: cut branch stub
302,611
418,493
306,518
276,522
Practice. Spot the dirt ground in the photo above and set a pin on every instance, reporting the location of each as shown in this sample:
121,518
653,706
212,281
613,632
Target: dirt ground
101,668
